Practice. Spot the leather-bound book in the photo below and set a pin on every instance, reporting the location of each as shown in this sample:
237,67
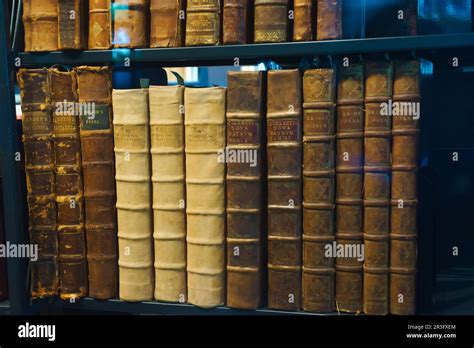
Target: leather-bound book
271,21
97,148
71,24
166,23
377,167
203,21
205,191
244,190
405,133
284,136
303,26
3,263
100,24
69,190
235,21
350,184
169,196
35,91
392,18
133,180
130,23
40,19
329,21
319,104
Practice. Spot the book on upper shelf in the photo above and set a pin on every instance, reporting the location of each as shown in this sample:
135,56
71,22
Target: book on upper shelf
71,24
166,23
271,21
130,23
203,22
40,20
100,24
236,21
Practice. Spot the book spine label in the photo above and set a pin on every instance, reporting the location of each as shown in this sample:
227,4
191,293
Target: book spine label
169,196
167,19
97,148
130,23
319,91
35,93
70,17
203,19
205,187
234,21
303,27
271,21
329,21
244,190
284,128
40,19
100,26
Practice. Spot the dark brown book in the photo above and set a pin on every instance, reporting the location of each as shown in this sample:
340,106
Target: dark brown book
69,192
303,25
350,184
235,21
3,263
130,23
319,95
71,24
39,166
40,20
203,21
97,149
167,20
329,22
100,24
244,189
377,167
284,128
405,133
271,21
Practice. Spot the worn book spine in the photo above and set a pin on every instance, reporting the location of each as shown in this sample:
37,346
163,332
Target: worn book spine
350,185
235,22
403,233
244,190
205,188
303,25
130,23
166,23
69,190
271,21
319,104
203,21
100,24
97,149
35,91
284,132
169,194
71,24
3,263
40,19
133,180
377,167
329,20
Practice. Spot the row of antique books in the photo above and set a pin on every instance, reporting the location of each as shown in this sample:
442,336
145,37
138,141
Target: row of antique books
287,189
67,24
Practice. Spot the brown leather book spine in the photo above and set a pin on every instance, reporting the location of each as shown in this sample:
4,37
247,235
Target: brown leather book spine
234,21
130,23
319,94
329,22
403,234
71,24
3,263
100,25
40,19
378,87
271,21
167,20
284,128
244,190
97,148
203,21
350,185
303,26
69,192
40,184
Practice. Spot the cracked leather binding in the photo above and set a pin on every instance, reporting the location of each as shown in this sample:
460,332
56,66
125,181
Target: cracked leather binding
71,27
235,21
203,20
130,23
304,26
166,23
271,21
40,20
329,20
100,24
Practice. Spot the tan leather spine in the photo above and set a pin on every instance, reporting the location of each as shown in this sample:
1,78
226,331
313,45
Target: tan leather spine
166,23
205,188
130,23
244,190
100,25
40,19
97,148
169,196
350,184
329,21
203,21
235,22
378,86
284,128
271,21
403,234
303,25
71,24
